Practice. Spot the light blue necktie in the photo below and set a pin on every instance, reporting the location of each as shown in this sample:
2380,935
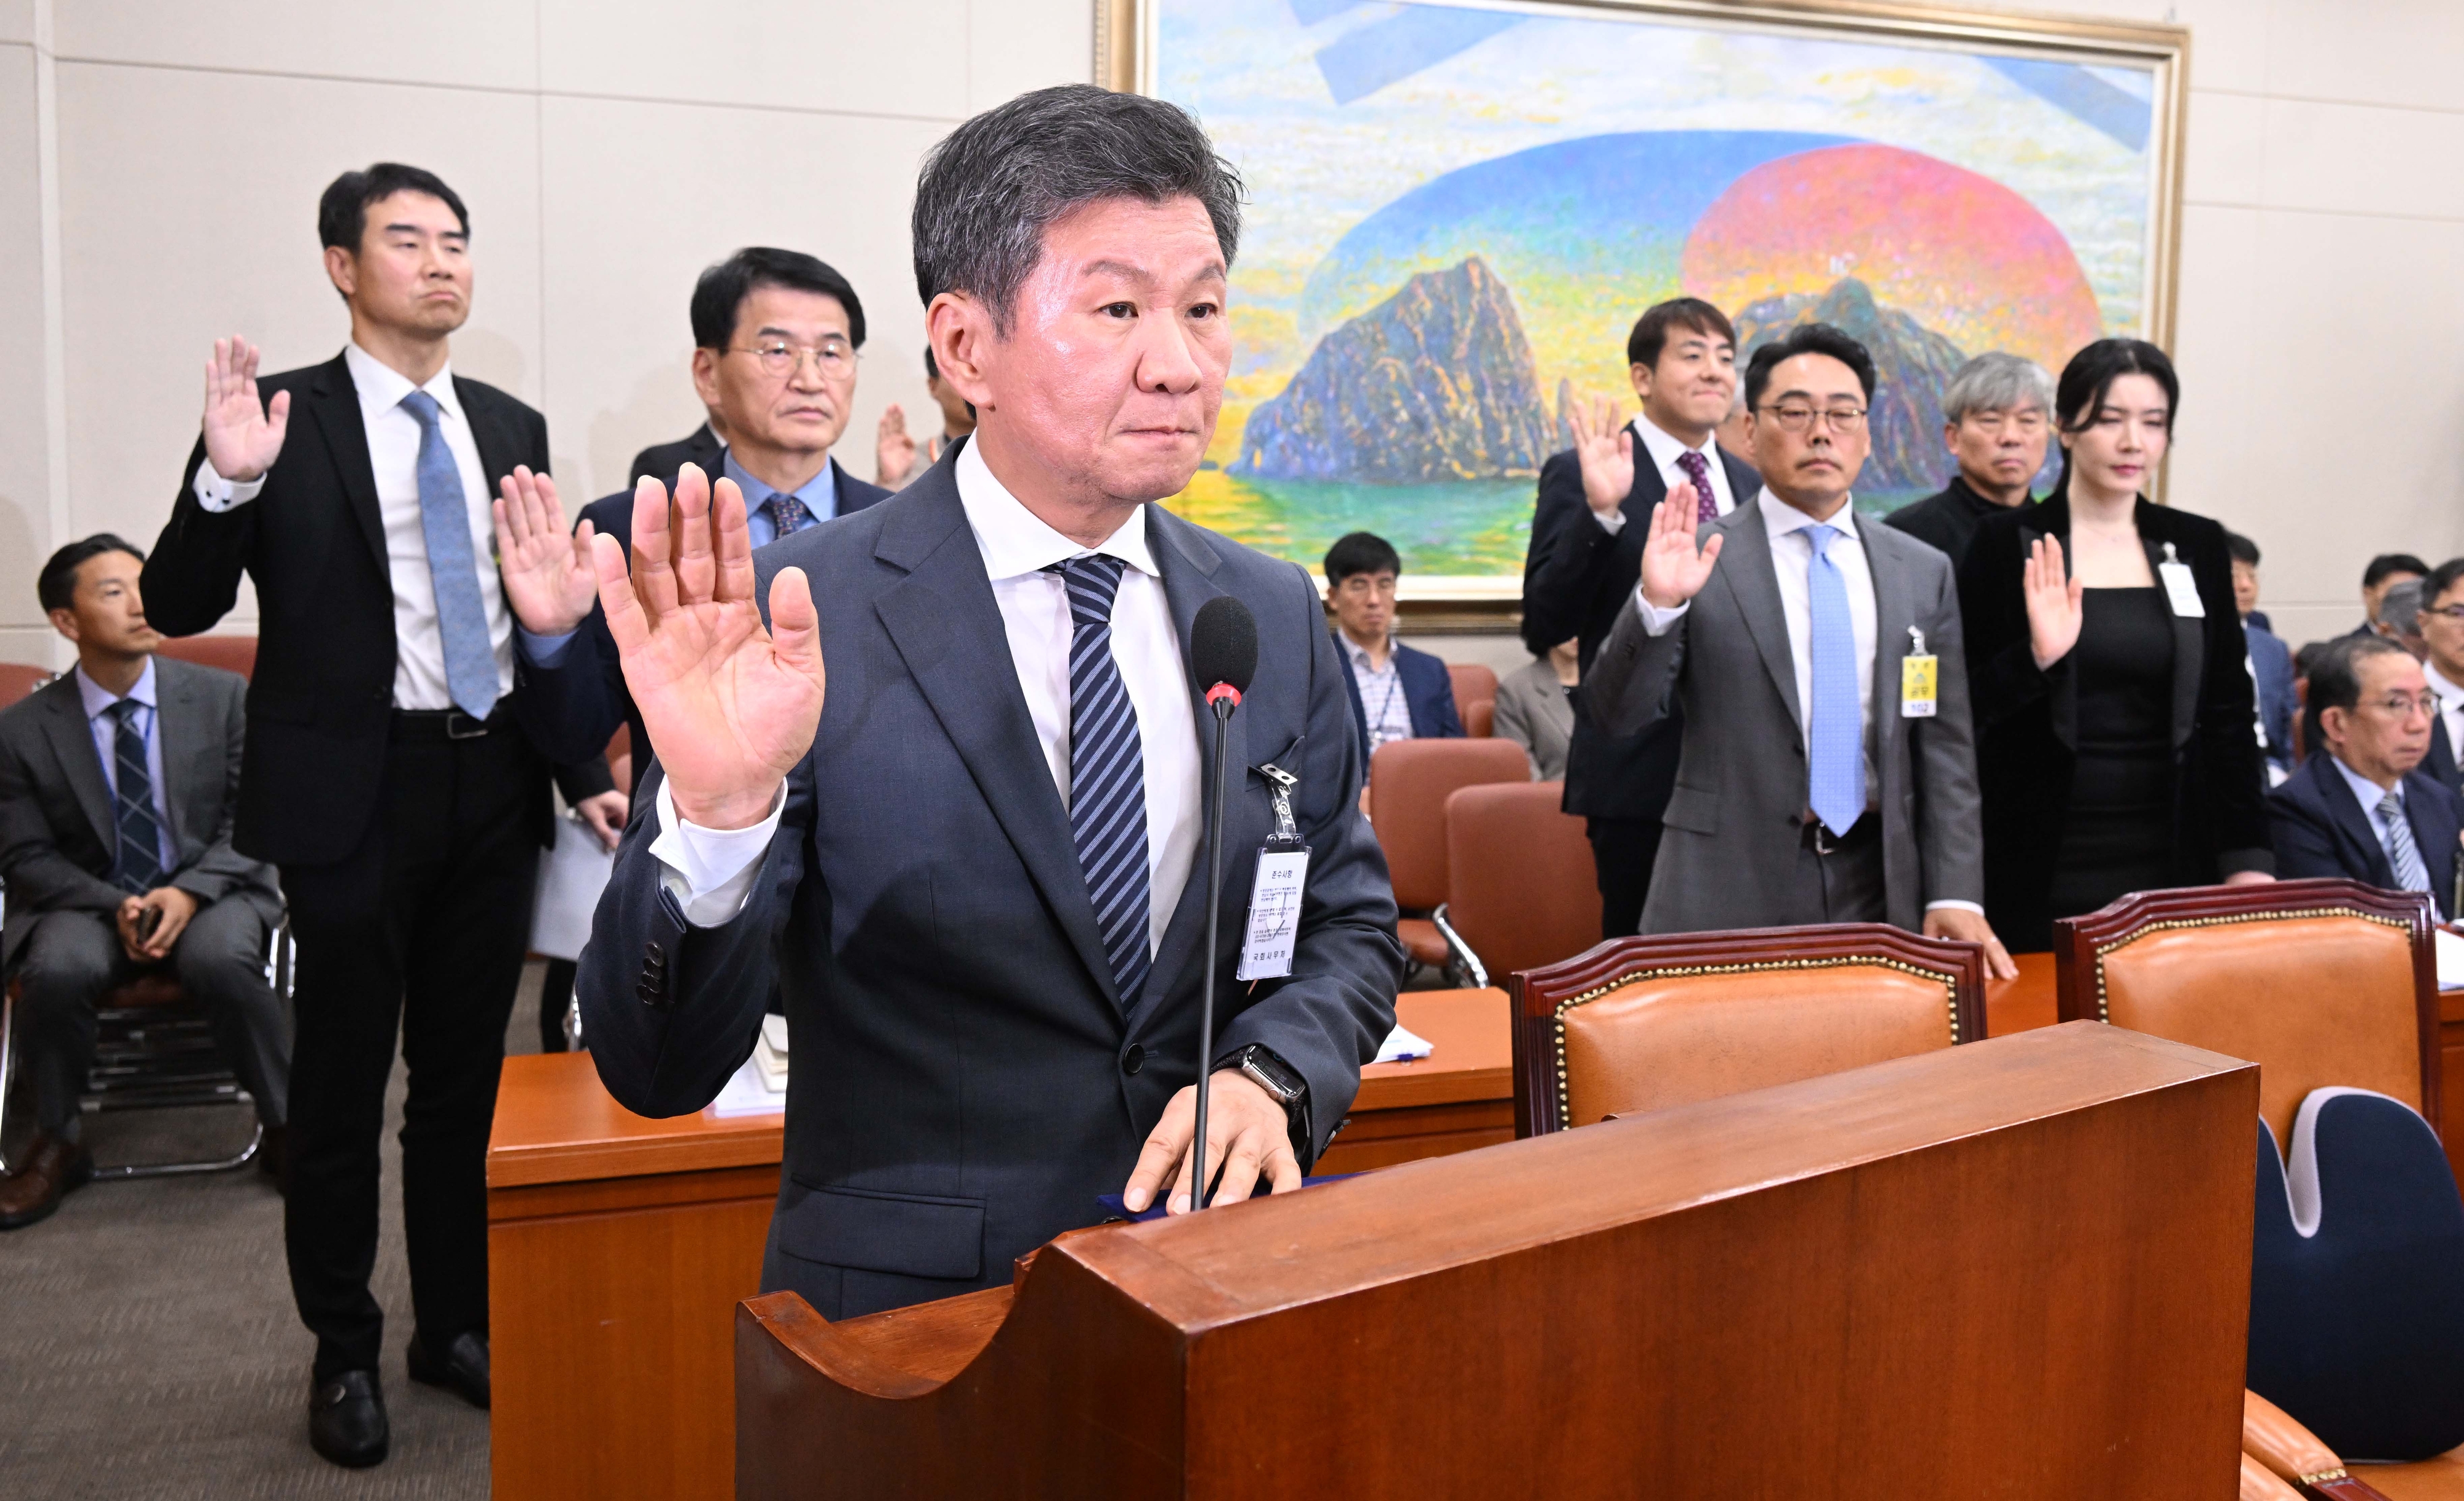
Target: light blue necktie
452,567
1835,722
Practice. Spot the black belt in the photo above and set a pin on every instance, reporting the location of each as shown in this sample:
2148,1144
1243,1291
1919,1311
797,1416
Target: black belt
1867,828
448,724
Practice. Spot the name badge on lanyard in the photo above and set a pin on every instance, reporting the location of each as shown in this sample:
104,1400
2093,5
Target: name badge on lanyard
1920,679
2179,586
1273,929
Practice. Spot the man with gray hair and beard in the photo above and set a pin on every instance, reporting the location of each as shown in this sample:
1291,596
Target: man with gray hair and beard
973,875
1994,422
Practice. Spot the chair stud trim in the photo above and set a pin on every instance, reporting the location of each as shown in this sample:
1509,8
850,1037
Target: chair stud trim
1557,1019
2104,1013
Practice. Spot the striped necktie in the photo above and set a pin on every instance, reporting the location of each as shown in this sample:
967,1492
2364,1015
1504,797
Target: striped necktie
1107,788
2402,855
137,865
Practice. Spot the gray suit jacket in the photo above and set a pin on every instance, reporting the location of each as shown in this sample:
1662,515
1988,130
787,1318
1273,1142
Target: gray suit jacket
966,1080
1732,827
58,836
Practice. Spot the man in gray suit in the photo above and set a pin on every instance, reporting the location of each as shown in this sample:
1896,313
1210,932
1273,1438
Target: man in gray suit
974,876
1828,772
117,790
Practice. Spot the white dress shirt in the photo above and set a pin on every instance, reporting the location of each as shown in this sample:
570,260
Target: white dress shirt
711,870
2451,708
393,454
98,700
1662,450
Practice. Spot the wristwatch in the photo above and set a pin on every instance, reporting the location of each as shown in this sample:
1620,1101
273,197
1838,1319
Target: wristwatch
1285,1086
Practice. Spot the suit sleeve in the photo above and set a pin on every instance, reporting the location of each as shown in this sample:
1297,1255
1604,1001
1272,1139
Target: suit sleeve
220,869
2303,842
39,876
1569,556
1328,1018
1510,721
192,578
2235,783
578,782
572,709
1631,682
1951,829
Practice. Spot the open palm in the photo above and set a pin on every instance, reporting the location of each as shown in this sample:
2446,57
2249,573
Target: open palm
243,435
2053,603
1605,452
1674,570
549,577
729,705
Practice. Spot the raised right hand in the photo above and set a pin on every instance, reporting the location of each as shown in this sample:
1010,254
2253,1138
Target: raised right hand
2053,609
1674,570
730,706
1604,447
893,450
243,435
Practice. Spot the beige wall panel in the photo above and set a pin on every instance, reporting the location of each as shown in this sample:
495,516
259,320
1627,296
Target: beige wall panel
175,234
16,20
2229,42
2224,364
1017,45
2224,159
641,196
2386,52
858,56
25,490
2363,159
486,43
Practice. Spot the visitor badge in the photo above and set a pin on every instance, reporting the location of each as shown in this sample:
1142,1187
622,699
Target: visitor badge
2180,587
1274,914
1920,679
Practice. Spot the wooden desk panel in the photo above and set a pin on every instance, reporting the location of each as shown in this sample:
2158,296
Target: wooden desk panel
2450,1072
1459,1097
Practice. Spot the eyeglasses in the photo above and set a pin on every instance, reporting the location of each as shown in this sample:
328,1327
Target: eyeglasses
834,357
2447,612
2026,424
1793,418
2398,706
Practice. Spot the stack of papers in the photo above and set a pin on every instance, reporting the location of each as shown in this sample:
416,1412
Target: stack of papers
2451,959
770,1054
759,1087
1401,1046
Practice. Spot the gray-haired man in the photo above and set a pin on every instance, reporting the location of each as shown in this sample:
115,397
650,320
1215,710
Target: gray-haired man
1994,423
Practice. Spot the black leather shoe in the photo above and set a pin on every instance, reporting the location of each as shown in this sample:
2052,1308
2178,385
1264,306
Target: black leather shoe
460,1368
346,1420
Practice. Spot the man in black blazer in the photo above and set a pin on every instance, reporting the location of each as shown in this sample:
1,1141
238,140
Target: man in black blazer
390,771
700,447
974,873
2362,808
116,783
1996,415
1587,535
776,334
2442,667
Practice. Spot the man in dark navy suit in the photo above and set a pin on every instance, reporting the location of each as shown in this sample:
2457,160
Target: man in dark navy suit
973,874
2361,808
2442,638
776,335
1397,693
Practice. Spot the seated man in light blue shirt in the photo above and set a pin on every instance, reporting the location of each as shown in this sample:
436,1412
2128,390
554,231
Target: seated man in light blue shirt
2361,808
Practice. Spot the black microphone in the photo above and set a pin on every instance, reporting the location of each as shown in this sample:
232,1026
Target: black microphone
1224,656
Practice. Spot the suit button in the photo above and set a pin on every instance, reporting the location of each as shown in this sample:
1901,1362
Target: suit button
1133,1060
653,952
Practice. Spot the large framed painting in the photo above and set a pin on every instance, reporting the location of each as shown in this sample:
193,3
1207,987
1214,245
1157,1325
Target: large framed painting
1458,207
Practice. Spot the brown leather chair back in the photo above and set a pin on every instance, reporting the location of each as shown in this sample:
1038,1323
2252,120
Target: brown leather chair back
1473,684
1521,891
1650,1023
2320,983
1480,718
17,679
620,758
231,653
1409,783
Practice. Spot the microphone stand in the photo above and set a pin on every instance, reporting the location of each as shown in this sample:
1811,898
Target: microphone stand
1223,698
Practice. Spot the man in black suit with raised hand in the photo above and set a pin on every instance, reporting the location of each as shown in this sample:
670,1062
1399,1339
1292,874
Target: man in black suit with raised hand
388,773
1587,535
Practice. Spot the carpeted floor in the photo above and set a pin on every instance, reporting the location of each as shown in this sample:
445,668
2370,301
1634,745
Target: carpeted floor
149,1347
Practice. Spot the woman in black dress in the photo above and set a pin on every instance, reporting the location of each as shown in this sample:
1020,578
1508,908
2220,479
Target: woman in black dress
2115,745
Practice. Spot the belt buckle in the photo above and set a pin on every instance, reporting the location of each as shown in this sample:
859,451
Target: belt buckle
460,726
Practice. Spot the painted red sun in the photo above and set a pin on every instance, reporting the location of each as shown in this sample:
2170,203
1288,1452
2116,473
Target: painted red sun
1960,252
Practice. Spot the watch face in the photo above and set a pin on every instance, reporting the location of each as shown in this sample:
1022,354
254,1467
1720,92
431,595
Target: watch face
1270,1073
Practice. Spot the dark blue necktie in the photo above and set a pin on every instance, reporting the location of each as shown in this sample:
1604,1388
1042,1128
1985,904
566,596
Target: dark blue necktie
453,566
1107,786
787,514
137,865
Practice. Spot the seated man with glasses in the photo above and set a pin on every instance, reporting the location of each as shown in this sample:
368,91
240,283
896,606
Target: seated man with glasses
1993,422
2365,811
1826,772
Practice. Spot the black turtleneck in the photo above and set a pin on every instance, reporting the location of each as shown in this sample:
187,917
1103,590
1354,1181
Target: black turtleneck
1947,520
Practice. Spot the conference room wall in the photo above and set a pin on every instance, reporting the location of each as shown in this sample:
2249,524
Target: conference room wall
159,164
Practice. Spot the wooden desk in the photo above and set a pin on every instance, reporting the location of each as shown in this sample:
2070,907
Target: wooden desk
618,1248
2022,1005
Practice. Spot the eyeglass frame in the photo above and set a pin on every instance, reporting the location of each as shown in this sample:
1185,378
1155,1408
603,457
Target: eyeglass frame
2454,612
1840,421
830,368
2428,703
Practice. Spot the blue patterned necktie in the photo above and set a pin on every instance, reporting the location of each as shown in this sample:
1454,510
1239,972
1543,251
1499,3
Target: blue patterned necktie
787,514
137,865
2402,855
1834,723
453,566
1108,786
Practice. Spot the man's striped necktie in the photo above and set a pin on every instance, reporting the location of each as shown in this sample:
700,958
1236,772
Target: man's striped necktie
1107,789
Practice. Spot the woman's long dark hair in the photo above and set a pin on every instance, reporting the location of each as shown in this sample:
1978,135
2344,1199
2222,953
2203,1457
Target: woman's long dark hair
2089,378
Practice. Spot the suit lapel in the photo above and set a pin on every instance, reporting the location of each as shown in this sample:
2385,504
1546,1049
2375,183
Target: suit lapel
1893,620
1754,580
1189,566
496,446
2190,632
2441,762
180,719
2437,844
948,631
333,406
72,740
2353,823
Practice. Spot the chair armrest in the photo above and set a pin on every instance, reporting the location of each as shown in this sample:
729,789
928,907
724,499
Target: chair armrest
1475,974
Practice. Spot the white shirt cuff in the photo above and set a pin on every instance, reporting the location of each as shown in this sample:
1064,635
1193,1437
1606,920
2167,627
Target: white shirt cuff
1611,521
1655,620
711,870
219,495
1978,908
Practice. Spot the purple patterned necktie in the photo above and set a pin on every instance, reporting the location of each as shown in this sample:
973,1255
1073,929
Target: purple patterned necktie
1707,506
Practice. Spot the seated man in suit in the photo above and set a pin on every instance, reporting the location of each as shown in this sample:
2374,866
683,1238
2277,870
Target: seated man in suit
1397,693
117,797
2442,638
1995,422
2364,809
2271,662
1820,777
971,871
776,334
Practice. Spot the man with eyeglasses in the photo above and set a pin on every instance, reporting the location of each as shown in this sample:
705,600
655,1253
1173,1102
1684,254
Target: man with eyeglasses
2366,809
1827,770
2442,637
776,334
1995,425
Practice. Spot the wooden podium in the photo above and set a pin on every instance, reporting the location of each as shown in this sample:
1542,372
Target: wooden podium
2016,1268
